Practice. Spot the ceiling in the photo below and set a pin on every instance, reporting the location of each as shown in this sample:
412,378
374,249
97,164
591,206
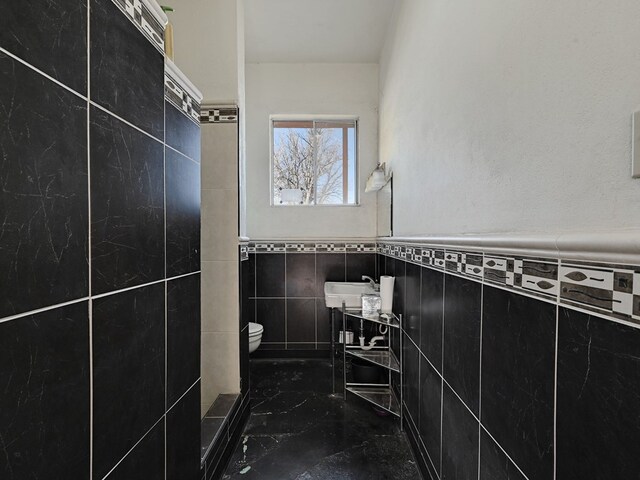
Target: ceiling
316,31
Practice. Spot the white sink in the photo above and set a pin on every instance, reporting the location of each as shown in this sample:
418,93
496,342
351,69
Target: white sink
348,292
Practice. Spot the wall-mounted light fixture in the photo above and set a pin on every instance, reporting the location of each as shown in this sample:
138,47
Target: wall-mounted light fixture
377,179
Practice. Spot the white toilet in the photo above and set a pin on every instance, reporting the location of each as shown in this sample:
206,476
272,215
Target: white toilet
255,336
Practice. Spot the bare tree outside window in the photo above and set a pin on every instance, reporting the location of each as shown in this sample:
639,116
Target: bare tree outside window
315,161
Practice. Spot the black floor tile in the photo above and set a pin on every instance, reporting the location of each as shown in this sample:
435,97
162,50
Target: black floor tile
222,405
299,430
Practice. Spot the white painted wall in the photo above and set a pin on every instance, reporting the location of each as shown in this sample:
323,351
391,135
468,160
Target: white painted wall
323,89
513,115
209,48
206,46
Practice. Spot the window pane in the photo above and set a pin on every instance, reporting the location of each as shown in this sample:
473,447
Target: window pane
314,162
293,164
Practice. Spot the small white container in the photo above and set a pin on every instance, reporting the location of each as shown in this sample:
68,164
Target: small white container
386,293
370,304
349,337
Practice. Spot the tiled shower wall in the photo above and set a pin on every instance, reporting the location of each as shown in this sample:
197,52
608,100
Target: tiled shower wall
285,292
99,247
518,368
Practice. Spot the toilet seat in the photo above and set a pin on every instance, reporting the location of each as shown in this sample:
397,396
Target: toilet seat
255,329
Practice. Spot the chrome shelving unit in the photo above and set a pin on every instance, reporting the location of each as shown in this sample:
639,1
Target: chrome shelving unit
381,395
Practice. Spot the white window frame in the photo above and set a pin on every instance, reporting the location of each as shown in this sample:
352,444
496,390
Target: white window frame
316,118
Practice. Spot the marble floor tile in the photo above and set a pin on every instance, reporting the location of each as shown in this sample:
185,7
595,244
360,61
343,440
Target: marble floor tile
299,430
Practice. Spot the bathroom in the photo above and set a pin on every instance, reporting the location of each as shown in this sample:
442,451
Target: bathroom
200,198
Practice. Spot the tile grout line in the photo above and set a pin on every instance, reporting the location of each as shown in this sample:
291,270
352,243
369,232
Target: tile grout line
89,240
126,122
555,398
184,394
441,372
43,309
133,447
40,72
480,375
90,297
183,154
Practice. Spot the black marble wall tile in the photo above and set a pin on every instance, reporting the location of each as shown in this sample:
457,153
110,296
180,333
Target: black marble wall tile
301,320
301,275
330,267
411,359
146,460
399,286
270,275
245,380
462,311
43,201
323,321
51,36
359,264
127,72
270,313
494,464
431,315
598,409
459,440
430,410
412,302
182,184
127,205
128,378
518,368
45,389
182,133
381,267
183,335
248,290
183,437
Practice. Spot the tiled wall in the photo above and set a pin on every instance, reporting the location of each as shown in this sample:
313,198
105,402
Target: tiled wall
518,368
99,248
286,290
220,269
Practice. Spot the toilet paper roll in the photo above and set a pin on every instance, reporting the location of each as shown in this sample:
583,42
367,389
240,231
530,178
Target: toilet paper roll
386,293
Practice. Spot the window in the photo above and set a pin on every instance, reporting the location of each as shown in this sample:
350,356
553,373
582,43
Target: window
313,162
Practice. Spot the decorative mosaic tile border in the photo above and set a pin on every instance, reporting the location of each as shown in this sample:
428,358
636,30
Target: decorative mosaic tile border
146,22
614,289
611,290
222,114
179,98
312,247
